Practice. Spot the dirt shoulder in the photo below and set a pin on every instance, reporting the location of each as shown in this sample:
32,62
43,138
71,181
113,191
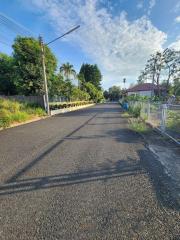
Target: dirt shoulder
166,170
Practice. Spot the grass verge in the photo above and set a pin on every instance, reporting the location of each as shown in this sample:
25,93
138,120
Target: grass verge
138,125
14,112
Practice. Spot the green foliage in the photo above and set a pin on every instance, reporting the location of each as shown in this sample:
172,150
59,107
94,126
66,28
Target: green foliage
7,76
68,88
139,126
5,118
136,97
106,94
12,111
91,74
56,86
125,115
22,74
61,105
176,87
156,99
135,111
164,64
173,120
79,95
19,117
95,94
81,81
67,70
114,93
28,65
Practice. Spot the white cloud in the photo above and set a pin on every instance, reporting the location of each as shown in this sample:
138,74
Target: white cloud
176,45
140,5
177,19
120,47
176,9
152,3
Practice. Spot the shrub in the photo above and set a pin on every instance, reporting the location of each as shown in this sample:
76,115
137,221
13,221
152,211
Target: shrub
139,126
20,117
173,121
135,111
13,111
61,105
9,105
5,118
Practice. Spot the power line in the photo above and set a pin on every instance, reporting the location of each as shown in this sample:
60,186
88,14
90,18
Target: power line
13,25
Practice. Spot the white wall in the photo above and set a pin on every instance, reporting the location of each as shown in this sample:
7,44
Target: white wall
142,93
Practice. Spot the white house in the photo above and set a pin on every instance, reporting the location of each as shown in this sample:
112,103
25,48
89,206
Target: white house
143,89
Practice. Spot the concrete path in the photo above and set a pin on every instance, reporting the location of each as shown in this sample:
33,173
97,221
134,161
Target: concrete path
82,175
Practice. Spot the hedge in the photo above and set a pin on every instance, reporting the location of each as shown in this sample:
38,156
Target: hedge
61,105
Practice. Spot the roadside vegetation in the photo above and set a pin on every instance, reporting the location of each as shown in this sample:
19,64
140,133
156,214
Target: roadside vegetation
21,74
61,105
114,93
163,69
136,121
136,109
12,112
138,125
173,121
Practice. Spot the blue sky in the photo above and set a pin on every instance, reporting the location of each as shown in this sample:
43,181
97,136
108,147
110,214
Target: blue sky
118,35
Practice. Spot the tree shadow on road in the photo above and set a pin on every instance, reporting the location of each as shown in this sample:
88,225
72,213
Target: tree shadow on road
111,170
147,164
124,135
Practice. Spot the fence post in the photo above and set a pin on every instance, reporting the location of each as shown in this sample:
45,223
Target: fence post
148,110
163,117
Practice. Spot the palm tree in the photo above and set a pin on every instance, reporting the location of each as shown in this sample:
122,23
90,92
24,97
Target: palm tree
68,70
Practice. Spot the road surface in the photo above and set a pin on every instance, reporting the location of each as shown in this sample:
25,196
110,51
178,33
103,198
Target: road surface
81,175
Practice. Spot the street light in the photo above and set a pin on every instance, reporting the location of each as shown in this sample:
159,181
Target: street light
44,66
124,81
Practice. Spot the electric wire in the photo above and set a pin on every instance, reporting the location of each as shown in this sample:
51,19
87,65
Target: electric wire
14,26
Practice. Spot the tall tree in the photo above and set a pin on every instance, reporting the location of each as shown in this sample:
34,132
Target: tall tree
172,64
28,65
7,75
164,66
95,94
81,81
176,86
154,68
91,74
68,70
142,77
115,93
106,94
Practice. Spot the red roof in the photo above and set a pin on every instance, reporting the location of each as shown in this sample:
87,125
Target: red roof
143,87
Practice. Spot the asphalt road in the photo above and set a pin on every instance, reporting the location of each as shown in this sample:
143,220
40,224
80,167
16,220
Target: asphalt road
82,175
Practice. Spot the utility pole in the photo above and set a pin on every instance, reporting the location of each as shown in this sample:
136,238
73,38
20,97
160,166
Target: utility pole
44,66
44,76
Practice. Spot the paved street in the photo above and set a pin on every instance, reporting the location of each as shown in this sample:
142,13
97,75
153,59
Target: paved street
82,175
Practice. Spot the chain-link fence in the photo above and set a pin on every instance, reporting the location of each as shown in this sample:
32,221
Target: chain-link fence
165,117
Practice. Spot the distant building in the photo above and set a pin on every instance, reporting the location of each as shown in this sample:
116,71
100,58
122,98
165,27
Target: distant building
144,89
